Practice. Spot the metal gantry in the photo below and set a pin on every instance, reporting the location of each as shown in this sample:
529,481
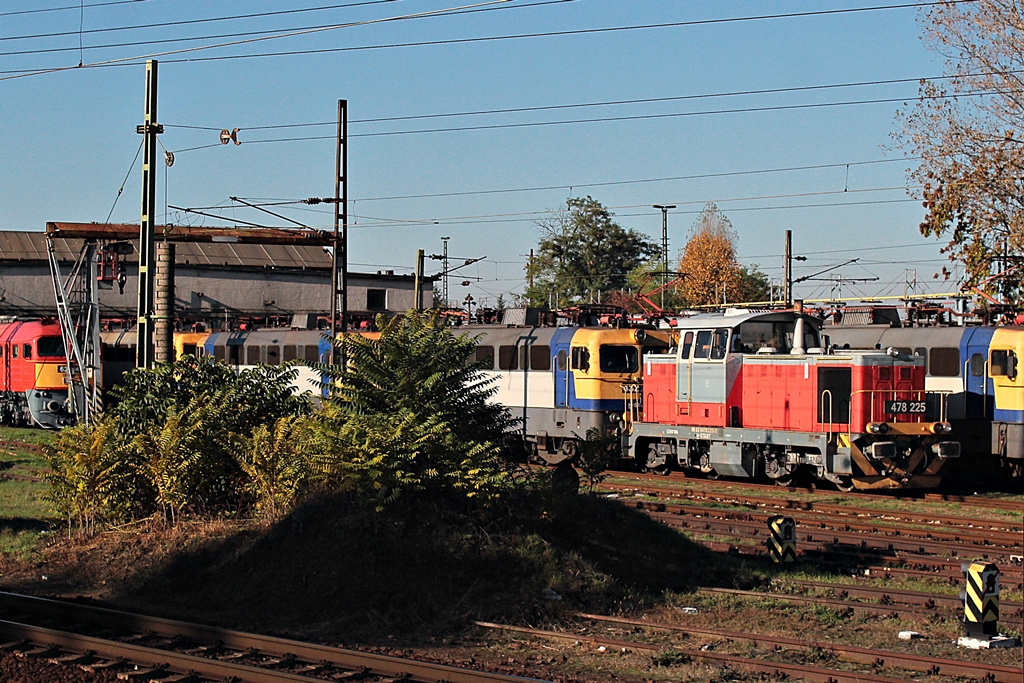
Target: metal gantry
79,316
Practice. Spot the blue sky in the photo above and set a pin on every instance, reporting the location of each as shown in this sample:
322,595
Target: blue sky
67,139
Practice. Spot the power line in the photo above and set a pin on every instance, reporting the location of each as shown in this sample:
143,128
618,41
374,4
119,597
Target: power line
68,7
188,22
582,105
563,186
601,119
289,34
678,24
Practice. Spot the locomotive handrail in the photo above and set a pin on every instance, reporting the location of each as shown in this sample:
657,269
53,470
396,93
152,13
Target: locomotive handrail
821,410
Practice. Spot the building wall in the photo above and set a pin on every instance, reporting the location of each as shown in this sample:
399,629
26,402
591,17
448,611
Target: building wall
26,289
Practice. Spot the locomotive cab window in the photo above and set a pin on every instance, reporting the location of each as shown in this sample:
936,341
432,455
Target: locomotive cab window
27,348
719,344
186,350
702,349
684,348
50,347
619,358
14,350
1004,364
581,358
563,360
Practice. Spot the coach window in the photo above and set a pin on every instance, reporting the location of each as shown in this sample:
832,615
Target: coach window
719,344
289,352
540,357
252,354
273,355
581,358
508,358
946,361
220,352
684,348
702,349
312,353
484,357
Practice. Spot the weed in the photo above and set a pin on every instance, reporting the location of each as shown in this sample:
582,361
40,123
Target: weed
670,658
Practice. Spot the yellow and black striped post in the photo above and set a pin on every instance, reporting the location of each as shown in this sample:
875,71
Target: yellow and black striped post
782,543
981,599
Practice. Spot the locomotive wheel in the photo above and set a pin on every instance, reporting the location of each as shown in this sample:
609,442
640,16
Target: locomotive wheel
656,462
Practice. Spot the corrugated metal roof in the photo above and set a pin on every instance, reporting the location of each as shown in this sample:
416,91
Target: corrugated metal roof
18,245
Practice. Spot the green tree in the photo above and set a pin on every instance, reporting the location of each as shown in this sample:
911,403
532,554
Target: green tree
966,129
754,285
410,413
583,255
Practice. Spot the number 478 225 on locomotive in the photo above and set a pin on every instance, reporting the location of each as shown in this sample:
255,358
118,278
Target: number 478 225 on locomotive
749,394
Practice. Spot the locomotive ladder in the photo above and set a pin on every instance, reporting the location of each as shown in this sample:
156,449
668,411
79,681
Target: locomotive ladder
79,330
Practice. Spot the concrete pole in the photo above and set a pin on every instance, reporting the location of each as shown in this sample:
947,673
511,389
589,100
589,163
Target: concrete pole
163,318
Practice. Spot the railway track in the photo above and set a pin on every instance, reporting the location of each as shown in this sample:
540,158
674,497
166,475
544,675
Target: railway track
875,666
153,649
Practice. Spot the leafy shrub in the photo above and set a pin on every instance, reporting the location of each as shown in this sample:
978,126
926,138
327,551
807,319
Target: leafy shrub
409,412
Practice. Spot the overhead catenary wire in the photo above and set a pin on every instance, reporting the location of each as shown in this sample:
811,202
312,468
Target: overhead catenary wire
42,10
762,17
288,34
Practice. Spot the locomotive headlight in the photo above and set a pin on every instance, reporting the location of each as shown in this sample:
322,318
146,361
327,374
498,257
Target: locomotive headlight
941,428
877,427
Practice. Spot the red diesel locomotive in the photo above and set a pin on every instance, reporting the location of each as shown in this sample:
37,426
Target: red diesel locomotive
751,394
33,390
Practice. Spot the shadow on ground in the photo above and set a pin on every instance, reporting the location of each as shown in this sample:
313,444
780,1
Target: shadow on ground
335,571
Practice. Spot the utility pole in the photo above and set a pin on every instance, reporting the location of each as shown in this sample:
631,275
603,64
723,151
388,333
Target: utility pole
418,285
444,260
787,285
147,262
664,247
339,260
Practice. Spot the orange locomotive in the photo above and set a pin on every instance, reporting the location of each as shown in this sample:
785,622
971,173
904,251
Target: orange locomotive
33,390
751,394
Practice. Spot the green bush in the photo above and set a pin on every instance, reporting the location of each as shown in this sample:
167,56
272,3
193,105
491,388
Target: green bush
409,412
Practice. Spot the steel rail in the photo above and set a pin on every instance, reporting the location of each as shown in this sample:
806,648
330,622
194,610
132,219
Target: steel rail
784,670
843,509
870,607
858,655
853,539
427,672
827,554
982,538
